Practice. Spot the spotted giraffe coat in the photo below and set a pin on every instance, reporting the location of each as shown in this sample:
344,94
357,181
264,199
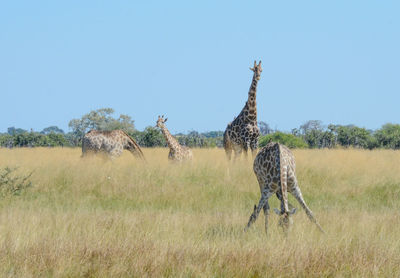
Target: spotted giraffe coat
275,169
177,152
242,133
110,142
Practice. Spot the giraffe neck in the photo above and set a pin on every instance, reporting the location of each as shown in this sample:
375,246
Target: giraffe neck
171,141
251,104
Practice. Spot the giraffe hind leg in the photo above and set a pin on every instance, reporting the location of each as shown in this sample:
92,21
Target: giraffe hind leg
299,197
228,152
238,151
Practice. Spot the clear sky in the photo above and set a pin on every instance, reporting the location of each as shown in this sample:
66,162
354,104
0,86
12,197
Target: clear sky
335,61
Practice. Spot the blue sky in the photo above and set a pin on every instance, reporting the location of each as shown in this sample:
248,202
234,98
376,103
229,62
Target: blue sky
335,61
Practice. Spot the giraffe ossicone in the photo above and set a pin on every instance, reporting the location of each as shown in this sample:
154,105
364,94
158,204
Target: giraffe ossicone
275,169
110,142
242,133
177,152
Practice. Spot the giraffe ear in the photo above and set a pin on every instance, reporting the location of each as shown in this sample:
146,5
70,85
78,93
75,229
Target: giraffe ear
259,64
293,211
277,211
165,120
255,63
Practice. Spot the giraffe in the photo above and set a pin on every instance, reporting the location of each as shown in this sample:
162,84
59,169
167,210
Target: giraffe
110,142
242,133
275,169
177,152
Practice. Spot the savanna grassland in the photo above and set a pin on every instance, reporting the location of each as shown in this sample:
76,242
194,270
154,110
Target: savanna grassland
96,218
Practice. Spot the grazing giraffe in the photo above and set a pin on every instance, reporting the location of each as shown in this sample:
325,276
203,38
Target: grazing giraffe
275,169
242,133
177,152
110,142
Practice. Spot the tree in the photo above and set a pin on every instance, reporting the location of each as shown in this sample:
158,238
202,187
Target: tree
312,132
311,125
286,139
100,119
388,136
14,131
352,136
150,137
264,128
52,129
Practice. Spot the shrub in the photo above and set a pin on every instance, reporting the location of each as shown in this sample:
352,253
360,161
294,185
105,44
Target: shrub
286,139
12,184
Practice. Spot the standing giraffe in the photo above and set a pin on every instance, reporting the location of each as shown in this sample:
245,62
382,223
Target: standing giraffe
110,142
275,169
242,133
177,152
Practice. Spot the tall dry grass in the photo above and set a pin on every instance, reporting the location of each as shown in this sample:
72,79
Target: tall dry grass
96,218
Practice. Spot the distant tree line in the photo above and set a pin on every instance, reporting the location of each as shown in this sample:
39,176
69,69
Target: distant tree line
102,119
312,134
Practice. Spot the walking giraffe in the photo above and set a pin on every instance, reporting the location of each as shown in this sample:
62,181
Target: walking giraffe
110,142
177,152
275,169
242,133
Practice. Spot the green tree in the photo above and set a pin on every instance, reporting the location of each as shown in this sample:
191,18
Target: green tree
286,139
100,119
150,137
52,129
388,136
13,131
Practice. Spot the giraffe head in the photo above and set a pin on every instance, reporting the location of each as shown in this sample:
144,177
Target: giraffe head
285,221
257,70
161,121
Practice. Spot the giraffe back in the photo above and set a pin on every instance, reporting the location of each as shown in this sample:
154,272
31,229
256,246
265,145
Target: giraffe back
268,166
109,142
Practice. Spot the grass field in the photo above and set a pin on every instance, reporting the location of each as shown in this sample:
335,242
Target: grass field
96,218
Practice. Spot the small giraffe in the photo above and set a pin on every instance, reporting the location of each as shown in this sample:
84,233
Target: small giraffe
242,133
275,169
110,142
177,152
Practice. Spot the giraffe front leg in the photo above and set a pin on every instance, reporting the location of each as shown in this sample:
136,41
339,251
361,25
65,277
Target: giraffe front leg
246,147
254,148
228,152
266,215
299,197
263,201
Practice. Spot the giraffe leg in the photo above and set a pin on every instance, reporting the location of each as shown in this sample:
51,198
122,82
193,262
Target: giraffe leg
279,196
246,149
299,197
228,152
114,153
266,215
254,148
263,201
227,145
238,151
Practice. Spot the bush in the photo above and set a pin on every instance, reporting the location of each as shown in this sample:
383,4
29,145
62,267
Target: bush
12,184
286,139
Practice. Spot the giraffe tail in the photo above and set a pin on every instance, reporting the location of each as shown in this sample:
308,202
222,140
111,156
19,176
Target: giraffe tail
136,147
227,145
283,180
